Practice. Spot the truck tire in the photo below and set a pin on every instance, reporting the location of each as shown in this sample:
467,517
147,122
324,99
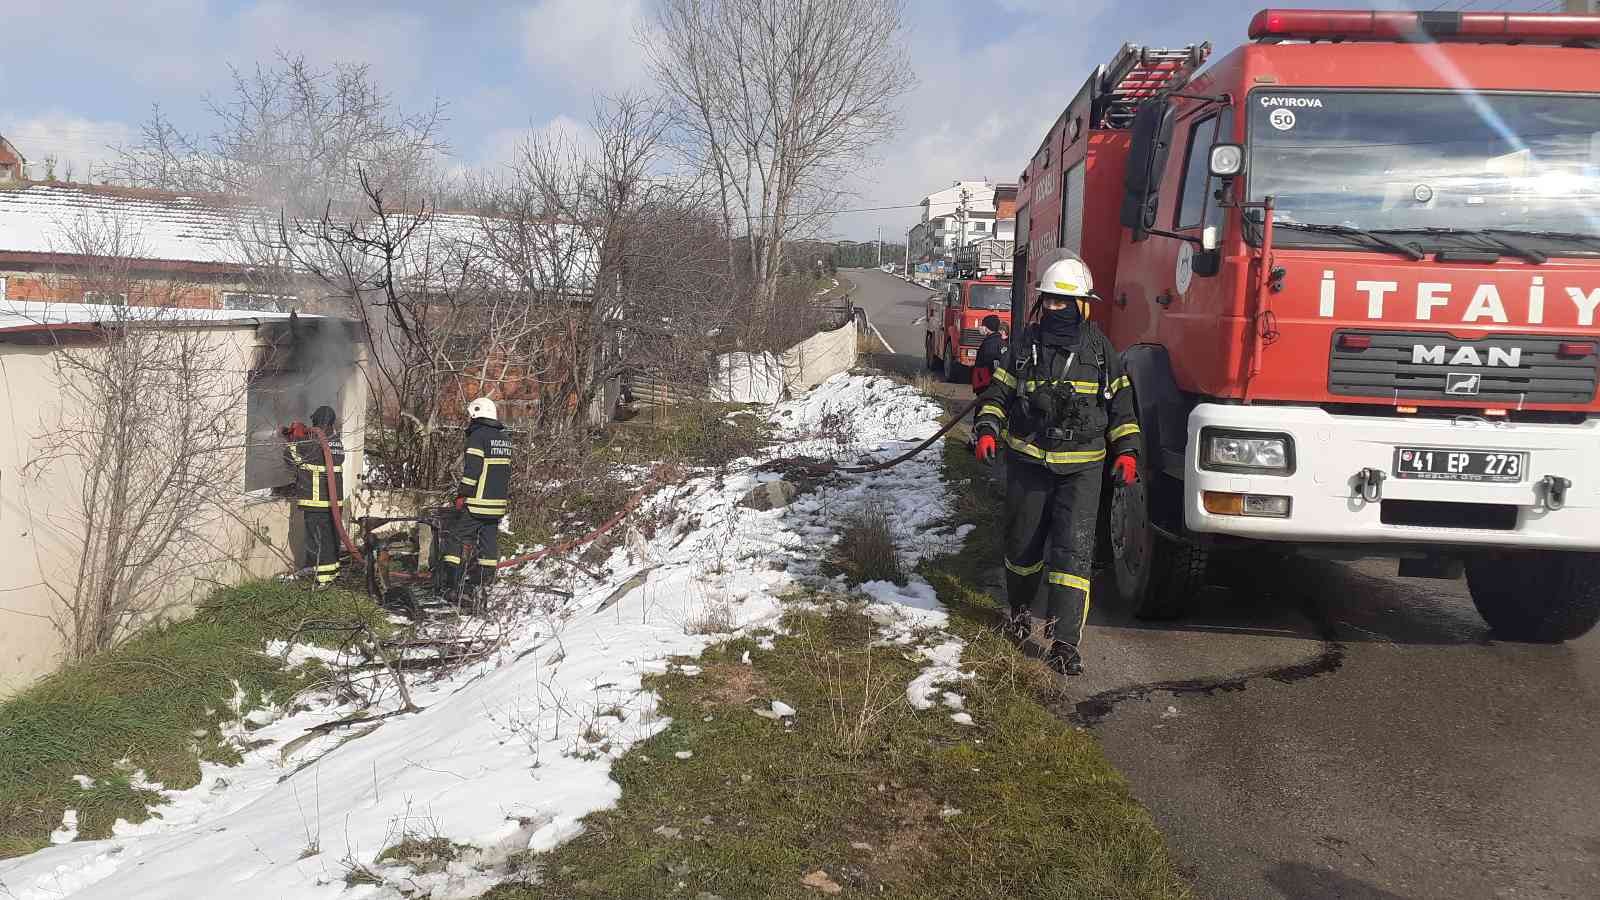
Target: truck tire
1540,596
927,354
1156,576
953,371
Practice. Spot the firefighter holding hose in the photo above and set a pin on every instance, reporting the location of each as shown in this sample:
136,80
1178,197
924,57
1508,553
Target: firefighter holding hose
482,497
1058,399
303,453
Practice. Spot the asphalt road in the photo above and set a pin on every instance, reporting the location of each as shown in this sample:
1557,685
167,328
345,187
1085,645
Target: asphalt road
1323,730
894,307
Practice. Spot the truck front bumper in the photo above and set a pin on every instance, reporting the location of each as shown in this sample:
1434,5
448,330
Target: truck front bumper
1330,451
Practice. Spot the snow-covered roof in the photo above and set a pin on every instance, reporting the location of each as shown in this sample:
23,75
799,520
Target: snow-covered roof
19,314
209,229
38,218
547,254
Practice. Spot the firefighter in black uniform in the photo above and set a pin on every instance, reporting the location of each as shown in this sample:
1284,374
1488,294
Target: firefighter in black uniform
1057,400
481,500
303,454
993,347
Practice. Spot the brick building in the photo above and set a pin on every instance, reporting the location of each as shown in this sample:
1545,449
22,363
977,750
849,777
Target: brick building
11,162
57,242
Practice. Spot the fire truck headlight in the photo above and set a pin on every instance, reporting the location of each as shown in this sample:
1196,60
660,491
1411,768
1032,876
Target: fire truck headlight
1244,451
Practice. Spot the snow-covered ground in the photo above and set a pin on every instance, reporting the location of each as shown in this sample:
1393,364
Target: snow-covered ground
511,752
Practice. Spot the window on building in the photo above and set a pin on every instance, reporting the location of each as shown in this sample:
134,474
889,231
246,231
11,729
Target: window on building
980,227
288,380
259,302
105,298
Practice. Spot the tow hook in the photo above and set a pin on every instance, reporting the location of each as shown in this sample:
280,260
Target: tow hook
1369,485
1554,491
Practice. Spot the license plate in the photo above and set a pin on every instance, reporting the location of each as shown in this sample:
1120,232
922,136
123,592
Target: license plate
1438,464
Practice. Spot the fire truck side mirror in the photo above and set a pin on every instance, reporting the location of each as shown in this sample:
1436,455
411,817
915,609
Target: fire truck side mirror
1208,238
1147,158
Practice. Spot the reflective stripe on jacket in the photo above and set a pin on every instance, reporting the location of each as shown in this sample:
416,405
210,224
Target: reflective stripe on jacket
1102,393
311,471
486,469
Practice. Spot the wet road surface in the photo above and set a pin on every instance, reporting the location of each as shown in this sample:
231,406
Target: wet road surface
1331,730
1325,730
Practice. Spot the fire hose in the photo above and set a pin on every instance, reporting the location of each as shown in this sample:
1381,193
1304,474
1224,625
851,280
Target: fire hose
333,496
879,467
627,508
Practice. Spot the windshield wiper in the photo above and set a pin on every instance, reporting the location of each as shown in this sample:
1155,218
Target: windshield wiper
1383,243
1536,257
1576,237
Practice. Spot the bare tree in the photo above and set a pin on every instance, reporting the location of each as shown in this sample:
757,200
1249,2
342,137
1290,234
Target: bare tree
295,142
149,420
293,138
777,101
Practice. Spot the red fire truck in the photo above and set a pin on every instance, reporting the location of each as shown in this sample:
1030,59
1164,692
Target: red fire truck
951,336
1353,268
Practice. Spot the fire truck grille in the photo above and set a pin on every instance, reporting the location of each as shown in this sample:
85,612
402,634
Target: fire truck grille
971,337
1430,365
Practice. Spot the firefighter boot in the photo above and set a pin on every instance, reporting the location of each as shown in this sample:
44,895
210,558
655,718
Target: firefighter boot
1064,659
1016,624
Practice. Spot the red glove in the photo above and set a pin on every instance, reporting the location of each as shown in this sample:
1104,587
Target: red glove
461,503
981,379
987,449
1126,469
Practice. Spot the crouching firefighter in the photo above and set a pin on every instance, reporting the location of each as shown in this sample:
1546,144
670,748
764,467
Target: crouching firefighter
481,501
1058,398
303,453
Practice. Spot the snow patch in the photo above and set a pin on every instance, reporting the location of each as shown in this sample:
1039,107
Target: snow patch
511,751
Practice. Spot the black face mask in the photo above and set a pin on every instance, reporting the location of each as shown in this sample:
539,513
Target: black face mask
1059,327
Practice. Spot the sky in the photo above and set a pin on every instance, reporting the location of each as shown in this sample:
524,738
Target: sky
80,75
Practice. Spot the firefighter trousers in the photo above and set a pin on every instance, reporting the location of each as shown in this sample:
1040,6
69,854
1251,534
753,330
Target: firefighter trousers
483,532
321,543
1050,540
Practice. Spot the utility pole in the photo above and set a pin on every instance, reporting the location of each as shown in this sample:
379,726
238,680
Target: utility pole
880,246
961,218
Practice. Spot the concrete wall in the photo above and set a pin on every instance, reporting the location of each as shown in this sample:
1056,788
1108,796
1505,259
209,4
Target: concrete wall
42,521
819,357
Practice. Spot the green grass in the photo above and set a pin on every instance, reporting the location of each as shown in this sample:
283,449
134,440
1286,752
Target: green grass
860,785
156,703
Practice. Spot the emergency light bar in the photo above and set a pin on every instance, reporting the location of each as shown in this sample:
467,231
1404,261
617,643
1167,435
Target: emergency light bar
1367,25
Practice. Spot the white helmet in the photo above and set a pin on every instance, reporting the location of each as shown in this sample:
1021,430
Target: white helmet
482,408
1068,277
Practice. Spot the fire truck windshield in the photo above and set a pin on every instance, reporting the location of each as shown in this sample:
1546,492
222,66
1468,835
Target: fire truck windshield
989,296
1396,161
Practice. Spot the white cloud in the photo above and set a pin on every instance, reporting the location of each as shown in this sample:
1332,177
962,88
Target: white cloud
978,111
78,144
503,146
394,43
586,42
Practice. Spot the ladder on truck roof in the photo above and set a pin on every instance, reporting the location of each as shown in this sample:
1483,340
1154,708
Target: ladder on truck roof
1139,73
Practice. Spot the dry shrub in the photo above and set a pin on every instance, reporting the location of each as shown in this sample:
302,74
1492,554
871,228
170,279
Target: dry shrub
860,695
866,550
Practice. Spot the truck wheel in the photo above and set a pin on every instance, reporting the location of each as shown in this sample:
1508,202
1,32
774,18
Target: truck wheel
927,353
953,371
1541,596
1156,576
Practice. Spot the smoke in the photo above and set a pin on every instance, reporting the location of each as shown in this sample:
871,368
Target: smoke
300,364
